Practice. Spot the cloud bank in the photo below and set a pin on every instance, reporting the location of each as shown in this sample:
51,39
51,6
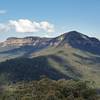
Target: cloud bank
27,26
4,28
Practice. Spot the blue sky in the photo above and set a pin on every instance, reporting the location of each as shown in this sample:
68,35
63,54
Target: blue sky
48,17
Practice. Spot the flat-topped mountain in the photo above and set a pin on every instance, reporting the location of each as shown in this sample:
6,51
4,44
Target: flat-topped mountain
14,41
71,55
73,39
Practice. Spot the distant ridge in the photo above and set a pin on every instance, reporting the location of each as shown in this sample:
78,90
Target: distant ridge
72,38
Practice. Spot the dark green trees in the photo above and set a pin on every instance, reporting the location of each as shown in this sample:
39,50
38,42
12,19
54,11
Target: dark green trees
47,89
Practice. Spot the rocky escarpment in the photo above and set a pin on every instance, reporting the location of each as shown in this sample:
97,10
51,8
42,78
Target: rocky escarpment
73,39
30,41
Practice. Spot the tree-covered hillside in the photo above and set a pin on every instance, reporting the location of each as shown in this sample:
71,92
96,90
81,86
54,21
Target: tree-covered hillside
25,69
47,89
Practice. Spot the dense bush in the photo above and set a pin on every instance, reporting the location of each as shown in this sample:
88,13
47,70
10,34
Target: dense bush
47,89
20,69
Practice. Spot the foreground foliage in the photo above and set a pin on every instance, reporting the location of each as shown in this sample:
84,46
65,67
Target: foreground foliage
47,89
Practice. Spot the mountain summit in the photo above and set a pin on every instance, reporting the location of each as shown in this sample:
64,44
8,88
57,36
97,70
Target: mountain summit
71,55
73,38
81,41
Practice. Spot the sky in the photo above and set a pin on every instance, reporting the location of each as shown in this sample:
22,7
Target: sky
48,18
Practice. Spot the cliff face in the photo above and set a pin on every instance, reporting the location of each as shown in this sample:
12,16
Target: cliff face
18,42
30,41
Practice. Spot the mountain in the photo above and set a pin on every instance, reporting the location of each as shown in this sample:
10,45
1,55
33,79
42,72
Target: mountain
71,55
33,41
83,42
15,47
32,44
23,47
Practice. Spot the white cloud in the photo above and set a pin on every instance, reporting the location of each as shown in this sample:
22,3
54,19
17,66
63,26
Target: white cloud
47,26
25,25
4,28
3,12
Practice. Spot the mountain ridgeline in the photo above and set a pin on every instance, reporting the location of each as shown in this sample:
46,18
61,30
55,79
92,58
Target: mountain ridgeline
71,55
73,39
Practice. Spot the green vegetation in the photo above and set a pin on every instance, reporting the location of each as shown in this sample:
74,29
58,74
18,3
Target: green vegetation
74,63
25,69
47,89
55,63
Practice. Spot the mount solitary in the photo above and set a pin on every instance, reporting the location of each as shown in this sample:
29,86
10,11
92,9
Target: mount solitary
71,55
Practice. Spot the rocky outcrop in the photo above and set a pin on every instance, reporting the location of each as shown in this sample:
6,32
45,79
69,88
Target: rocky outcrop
30,41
